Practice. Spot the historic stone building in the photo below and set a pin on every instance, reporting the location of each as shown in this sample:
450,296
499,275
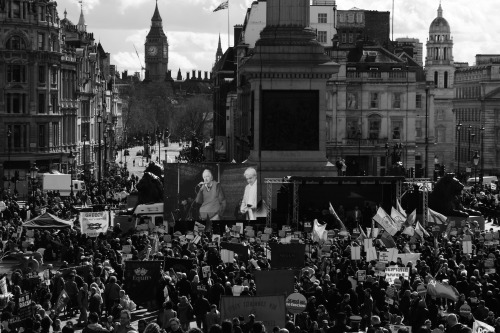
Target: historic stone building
30,86
477,108
440,74
156,50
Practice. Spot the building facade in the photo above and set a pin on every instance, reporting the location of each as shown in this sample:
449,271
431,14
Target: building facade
477,108
30,86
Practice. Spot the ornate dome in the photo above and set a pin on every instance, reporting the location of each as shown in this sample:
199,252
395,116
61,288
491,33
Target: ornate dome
439,25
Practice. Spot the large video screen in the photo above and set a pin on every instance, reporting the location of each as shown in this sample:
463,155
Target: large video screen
183,187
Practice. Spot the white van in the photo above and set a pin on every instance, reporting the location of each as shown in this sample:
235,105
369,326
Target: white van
487,180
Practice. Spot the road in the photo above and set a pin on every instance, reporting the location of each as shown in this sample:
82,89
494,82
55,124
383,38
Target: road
136,163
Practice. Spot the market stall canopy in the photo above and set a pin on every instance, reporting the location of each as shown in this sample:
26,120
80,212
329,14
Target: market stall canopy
47,220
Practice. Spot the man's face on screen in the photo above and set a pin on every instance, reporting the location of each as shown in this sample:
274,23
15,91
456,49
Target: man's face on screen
207,177
251,179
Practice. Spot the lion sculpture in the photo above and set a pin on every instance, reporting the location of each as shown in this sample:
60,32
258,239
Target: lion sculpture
445,198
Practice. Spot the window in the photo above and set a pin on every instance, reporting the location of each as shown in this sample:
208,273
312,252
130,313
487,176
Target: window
41,103
16,73
42,141
397,127
41,74
418,128
352,100
16,43
374,127
322,18
344,38
41,41
16,10
322,36
418,101
341,17
440,114
396,100
55,134
359,17
16,103
374,100
353,128
440,135
53,75
41,13
53,102
350,17
351,38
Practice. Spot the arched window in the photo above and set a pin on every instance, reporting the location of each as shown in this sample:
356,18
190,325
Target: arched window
436,78
15,43
445,79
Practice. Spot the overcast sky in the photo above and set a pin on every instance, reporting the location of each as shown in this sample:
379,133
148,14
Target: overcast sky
193,28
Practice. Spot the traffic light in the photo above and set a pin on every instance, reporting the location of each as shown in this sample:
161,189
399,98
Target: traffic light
442,171
436,175
412,172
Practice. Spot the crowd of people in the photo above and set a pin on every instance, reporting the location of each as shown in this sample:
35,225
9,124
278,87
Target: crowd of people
337,301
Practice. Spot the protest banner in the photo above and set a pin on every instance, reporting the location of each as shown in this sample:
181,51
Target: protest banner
94,223
395,328
480,327
287,255
393,273
361,275
274,282
269,309
356,253
141,282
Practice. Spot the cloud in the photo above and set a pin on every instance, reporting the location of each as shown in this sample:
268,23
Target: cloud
126,4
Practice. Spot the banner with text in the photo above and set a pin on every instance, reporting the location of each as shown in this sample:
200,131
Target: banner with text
393,273
268,309
141,282
94,223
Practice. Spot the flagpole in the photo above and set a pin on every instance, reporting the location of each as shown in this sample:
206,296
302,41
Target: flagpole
228,30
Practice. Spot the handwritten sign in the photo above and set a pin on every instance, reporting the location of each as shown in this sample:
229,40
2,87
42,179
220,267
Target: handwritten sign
393,273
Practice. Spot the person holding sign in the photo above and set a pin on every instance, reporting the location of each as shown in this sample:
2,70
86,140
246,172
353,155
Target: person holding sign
249,203
211,198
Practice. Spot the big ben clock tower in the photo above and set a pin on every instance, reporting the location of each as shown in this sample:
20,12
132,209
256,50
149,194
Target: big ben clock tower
156,50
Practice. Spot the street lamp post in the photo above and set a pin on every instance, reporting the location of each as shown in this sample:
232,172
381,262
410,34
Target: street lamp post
99,164
475,159
105,135
158,137
9,134
459,127
471,135
71,160
84,160
125,146
481,171
359,152
33,175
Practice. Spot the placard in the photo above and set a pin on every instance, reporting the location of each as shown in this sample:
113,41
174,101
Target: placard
361,275
94,223
206,271
355,253
467,246
392,273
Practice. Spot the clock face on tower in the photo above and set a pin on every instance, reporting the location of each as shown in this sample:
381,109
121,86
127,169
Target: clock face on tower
152,50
